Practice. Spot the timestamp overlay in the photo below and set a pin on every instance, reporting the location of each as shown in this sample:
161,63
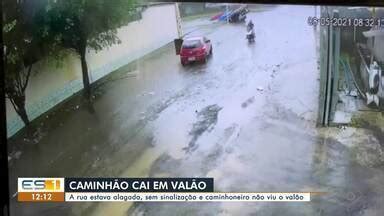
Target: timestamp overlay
345,22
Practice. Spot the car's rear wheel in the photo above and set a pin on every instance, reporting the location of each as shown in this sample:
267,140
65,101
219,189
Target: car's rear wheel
183,63
210,51
205,59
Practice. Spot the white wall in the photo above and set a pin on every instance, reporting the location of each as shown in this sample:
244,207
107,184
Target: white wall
379,48
53,83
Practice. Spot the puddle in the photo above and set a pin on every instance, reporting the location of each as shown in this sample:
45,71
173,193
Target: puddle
207,118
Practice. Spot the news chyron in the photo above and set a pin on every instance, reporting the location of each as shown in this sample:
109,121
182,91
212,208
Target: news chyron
141,190
41,189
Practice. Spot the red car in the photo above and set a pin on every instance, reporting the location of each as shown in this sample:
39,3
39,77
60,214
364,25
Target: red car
195,49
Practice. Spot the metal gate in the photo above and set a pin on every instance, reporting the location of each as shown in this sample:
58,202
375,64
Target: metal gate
329,67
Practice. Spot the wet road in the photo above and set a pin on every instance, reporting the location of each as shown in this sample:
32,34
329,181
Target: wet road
246,118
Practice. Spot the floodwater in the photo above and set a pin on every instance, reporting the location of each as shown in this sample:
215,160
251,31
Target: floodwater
246,118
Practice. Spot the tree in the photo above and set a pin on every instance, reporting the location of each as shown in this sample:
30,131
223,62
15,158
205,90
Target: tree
82,24
18,45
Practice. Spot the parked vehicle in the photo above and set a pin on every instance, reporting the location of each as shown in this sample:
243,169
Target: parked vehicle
195,49
242,17
217,16
238,15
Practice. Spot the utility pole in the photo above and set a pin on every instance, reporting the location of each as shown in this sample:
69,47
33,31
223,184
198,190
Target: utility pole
373,38
178,21
179,40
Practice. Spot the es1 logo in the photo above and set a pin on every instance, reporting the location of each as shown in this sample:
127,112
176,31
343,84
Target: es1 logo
40,184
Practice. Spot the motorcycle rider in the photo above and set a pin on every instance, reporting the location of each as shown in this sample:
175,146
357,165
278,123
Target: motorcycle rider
250,31
250,25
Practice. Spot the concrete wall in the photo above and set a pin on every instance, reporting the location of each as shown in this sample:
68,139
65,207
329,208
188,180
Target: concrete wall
379,40
52,84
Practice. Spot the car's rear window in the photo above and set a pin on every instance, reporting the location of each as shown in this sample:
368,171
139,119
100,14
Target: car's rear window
189,44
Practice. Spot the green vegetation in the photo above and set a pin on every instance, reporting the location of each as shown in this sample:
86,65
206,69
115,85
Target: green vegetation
33,30
79,25
19,44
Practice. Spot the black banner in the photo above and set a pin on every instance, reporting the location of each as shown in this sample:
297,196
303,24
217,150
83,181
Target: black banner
138,184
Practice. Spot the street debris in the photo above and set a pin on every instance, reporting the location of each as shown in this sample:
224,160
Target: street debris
147,93
17,154
353,93
94,164
248,102
342,127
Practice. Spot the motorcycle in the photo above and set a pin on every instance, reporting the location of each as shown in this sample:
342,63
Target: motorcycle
250,36
250,33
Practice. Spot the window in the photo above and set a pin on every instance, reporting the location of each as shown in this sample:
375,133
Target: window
190,44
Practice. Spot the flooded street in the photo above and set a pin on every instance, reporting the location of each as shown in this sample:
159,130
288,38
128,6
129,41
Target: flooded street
247,118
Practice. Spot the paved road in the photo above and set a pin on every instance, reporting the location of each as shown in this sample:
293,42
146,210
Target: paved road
246,118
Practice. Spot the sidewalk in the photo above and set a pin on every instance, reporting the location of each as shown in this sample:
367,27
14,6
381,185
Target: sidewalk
191,26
